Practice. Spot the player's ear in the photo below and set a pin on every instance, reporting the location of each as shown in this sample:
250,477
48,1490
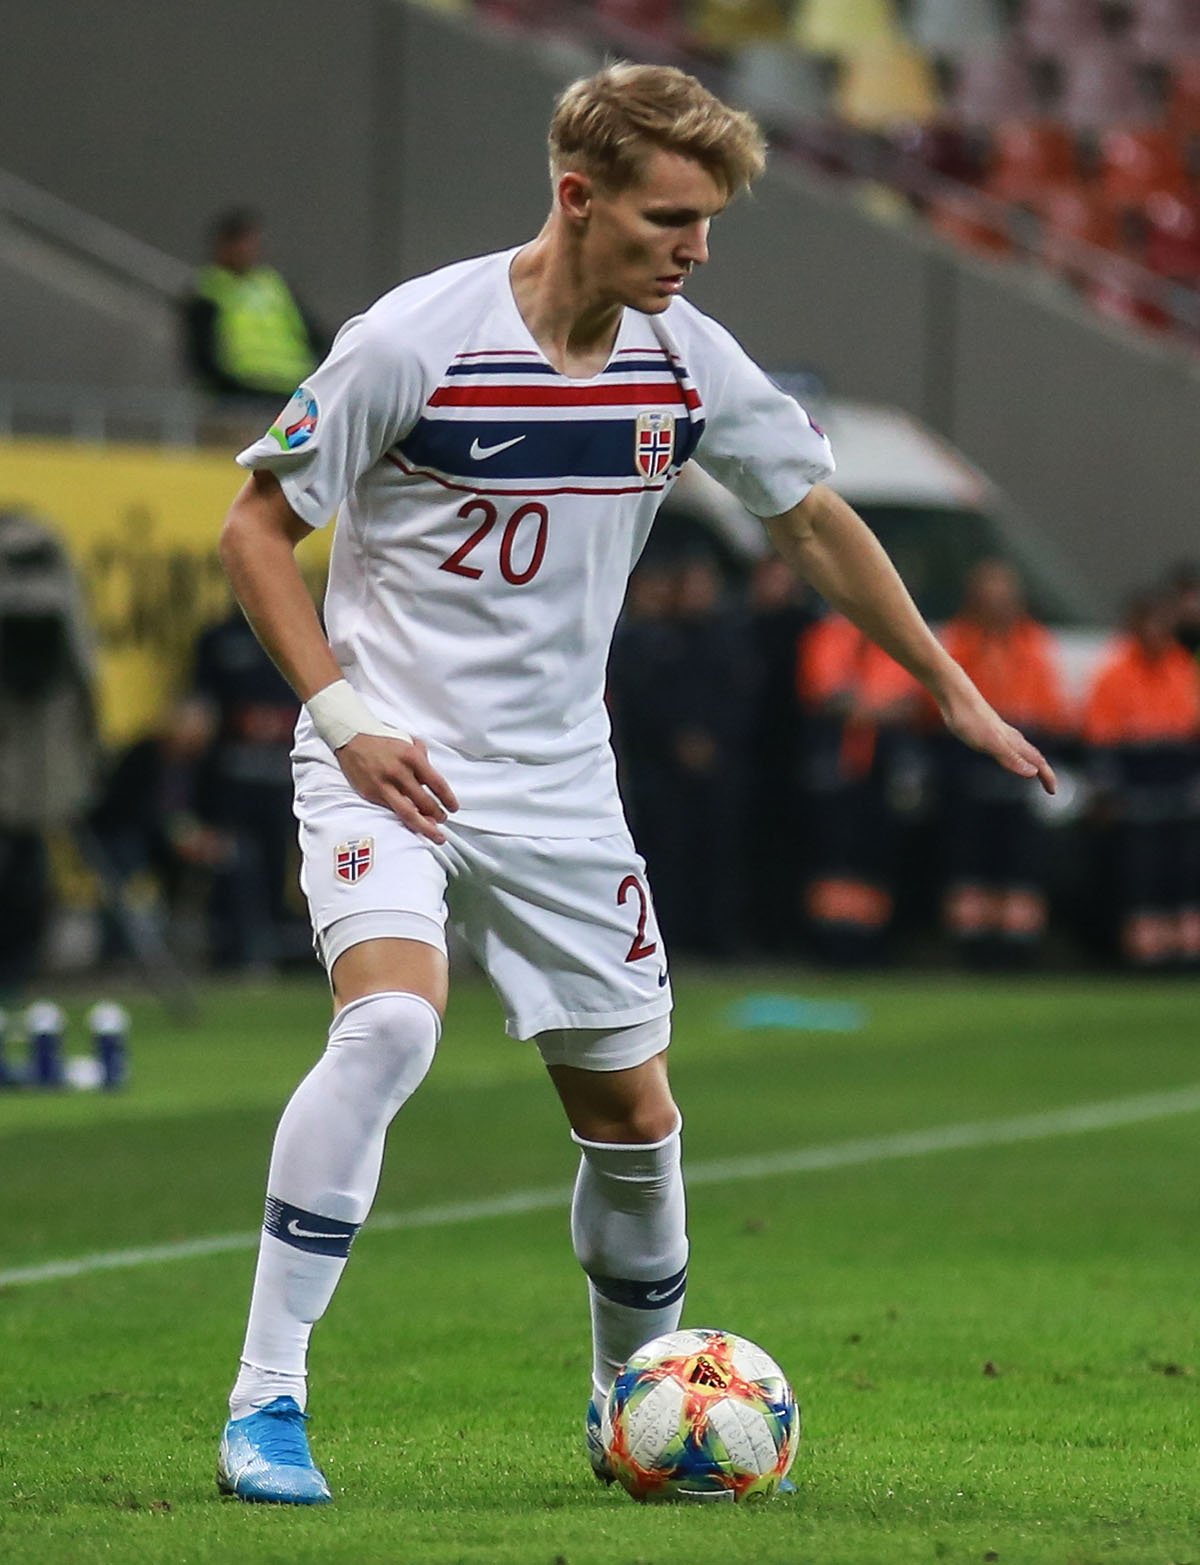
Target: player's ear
575,192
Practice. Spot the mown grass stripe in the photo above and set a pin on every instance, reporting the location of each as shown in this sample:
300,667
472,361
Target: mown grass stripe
1078,1119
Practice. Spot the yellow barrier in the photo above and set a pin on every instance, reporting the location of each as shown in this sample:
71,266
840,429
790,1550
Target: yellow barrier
142,524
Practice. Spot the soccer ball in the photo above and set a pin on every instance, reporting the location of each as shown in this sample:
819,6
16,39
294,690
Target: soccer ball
700,1415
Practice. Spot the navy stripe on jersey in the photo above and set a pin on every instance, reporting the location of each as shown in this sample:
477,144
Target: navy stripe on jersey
508,367
500,367
567,448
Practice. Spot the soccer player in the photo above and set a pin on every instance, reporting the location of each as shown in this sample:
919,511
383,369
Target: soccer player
496,438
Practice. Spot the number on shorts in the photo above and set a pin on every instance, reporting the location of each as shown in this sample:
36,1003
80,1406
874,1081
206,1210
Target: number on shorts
639,948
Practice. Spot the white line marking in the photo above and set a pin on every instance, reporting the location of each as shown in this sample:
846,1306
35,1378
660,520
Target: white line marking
1074,1121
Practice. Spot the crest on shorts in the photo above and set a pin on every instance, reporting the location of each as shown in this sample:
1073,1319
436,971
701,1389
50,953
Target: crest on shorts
654,443
352,860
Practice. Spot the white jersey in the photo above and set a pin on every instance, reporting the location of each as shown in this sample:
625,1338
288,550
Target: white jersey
490,510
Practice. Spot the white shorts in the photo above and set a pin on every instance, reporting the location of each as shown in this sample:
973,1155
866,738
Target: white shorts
564,927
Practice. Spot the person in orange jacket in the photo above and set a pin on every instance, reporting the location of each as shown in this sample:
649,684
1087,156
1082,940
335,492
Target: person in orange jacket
1142,722
995,905
860,707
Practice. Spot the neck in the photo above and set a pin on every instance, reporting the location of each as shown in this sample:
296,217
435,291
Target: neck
569,318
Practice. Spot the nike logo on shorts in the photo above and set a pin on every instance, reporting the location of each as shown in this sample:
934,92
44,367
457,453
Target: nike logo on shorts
662,978
481,453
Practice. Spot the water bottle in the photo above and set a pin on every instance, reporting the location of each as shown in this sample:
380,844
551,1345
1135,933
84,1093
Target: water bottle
44,1025
109,1023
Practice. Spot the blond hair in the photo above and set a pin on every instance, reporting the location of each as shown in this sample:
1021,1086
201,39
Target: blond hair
606,125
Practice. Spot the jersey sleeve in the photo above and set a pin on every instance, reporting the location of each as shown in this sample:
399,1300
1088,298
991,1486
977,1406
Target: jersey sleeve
352,409
757,441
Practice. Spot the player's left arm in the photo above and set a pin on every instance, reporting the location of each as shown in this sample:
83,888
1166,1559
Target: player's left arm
828,544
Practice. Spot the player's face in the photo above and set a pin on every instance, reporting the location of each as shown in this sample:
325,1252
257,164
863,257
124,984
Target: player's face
641,243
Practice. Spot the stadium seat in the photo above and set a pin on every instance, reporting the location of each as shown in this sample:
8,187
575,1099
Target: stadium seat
1183,96
1165,30
648,18
947,27
1030,157
1123,291
942,147
971,223
1101,88
1052,28
1073,216
517,13
841,27
1173,237
724,26
886,84
1137,163
994,84
777,83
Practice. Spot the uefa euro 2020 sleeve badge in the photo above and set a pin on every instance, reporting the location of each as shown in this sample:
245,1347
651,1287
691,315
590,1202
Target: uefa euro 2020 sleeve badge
352,860
654,443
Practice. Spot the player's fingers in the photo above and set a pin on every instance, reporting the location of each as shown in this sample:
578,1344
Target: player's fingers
427,774
1028,761
406,783
405,810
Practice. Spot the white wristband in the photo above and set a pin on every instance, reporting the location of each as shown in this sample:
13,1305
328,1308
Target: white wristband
339,713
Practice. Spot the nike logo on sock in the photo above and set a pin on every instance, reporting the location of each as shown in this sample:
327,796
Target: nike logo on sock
307,1233
663,1298
481,453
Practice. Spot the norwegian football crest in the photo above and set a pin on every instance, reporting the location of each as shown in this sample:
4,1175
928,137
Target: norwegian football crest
654,443
352,860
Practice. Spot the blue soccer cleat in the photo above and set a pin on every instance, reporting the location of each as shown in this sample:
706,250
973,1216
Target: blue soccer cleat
595,1445
265,1456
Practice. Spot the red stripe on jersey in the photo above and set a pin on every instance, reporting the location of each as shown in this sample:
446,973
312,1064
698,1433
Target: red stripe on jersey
636,395
519,494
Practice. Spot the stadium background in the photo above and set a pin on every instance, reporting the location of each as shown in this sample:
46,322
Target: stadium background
380,139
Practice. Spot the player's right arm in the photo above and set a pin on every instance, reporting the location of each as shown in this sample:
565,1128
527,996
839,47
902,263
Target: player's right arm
257,548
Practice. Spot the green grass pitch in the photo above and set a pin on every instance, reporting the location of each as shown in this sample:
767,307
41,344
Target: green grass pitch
995,1347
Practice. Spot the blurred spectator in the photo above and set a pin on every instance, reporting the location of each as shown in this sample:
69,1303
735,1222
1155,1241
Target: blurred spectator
860,704
246,334
710,717
1142,720
1183,589
48,745
254,713
153,816
779,616
681,680
644,654
996,898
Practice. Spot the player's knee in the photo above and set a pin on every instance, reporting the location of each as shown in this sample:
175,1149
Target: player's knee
384,1044
644,1125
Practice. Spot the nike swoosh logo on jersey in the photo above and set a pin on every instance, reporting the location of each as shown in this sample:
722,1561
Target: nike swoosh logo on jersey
662,978
481,453
307,1233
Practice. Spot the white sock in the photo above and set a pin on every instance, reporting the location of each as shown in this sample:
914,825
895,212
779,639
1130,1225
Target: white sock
324,1173
629,1229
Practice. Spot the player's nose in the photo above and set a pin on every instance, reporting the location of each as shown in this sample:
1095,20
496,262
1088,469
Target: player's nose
693,247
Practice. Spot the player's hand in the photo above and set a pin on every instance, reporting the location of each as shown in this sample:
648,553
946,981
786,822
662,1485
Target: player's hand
969,718
397,774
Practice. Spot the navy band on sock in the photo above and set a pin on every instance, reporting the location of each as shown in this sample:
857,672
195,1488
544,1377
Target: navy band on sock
308,1230
642,1295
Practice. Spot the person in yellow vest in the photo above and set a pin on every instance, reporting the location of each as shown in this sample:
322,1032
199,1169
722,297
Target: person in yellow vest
246,334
